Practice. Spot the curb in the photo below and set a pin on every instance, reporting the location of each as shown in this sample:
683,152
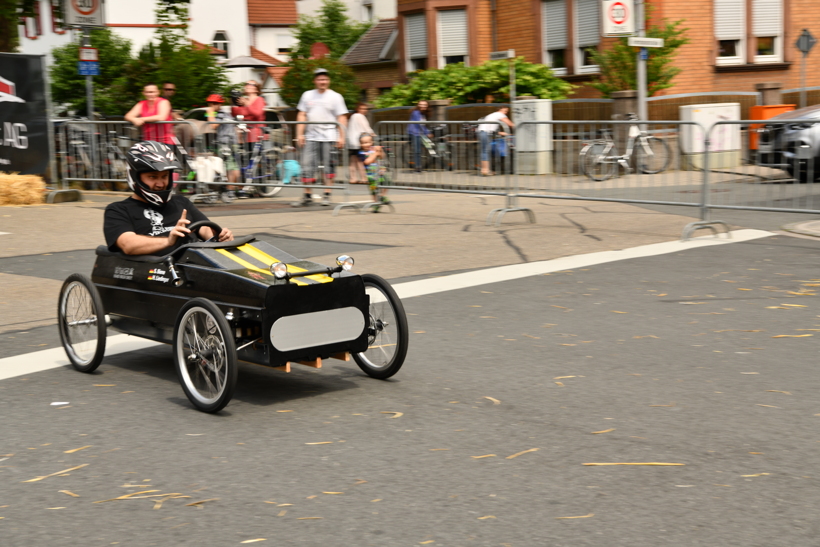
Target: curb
803,228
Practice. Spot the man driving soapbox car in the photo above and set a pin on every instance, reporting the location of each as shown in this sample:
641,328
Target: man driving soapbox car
220,302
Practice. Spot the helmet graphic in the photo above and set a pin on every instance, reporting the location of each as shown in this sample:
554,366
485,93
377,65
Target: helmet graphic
145,157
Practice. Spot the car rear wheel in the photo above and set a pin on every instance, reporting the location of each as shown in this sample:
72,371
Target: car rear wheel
205,355
387,332
81,321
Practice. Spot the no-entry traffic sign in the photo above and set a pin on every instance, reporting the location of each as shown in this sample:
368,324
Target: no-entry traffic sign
618,17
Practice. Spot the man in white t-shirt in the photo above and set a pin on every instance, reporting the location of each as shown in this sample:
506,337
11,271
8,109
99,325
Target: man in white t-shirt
485,133
319,105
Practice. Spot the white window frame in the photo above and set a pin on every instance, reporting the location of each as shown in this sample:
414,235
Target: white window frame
441,56
741,37
777,33
547,57
408,57
578,52
224,44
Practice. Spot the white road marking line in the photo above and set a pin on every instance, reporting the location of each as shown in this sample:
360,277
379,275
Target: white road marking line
518,271
20,365
5,233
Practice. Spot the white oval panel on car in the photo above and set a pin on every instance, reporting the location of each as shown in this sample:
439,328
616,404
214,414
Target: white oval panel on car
307,330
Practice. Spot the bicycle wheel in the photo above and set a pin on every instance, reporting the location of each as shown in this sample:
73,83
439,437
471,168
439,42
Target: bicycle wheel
205,355
593,161
653,157
81,321
387,331
267,173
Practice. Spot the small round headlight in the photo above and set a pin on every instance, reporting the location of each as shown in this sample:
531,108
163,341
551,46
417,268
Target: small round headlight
279,270
346,262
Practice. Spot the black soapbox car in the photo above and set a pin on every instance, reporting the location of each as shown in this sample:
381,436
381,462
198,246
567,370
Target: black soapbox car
220,303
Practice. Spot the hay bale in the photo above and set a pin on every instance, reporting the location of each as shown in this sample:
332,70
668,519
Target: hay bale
16,189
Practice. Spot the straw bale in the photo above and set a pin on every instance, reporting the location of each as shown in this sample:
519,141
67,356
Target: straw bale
16,189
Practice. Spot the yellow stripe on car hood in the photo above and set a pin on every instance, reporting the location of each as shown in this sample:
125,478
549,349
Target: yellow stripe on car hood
248,265
267,259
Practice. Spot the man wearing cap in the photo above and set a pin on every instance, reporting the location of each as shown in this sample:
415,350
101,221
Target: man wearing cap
319,105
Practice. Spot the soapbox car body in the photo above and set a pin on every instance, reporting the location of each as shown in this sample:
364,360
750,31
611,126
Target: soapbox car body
220,303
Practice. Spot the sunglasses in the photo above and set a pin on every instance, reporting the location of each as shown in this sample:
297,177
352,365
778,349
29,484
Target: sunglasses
169,89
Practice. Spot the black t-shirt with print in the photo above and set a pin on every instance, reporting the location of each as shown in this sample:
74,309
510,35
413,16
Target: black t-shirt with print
132,215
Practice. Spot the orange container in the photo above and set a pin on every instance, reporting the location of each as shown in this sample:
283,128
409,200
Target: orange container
764,112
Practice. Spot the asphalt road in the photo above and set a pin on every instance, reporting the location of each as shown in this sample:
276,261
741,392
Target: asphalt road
705,358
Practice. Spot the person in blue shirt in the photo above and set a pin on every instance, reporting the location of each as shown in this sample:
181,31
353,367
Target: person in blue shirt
416,130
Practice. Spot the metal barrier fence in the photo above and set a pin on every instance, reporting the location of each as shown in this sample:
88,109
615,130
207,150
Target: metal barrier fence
257,161
758,165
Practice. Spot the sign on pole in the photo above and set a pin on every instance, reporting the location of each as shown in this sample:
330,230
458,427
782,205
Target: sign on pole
88,68
84,13
641,41
501,55
804,43
618,17
89,54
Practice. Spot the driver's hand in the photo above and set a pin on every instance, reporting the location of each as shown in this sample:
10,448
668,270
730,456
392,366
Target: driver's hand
180,230
225,235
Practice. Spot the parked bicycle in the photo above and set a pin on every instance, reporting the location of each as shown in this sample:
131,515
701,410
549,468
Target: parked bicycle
259,167
600,159
435,152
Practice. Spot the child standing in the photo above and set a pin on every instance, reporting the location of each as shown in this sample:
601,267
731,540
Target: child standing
369,156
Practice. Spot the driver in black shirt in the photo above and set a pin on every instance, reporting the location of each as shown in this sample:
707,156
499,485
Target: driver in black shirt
153,221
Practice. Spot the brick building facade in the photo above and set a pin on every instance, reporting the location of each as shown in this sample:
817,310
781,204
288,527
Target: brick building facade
734,44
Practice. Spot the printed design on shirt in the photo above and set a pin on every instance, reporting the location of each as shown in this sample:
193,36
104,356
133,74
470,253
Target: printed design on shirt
158,274
156,218
123,273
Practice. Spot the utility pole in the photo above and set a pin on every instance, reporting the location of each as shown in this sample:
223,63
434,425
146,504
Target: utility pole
643,113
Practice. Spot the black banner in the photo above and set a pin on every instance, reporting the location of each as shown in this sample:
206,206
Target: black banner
24,136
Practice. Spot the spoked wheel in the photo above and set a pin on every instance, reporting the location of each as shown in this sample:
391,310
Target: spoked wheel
205,355
387,334
267,170
654,159
594,162
81,320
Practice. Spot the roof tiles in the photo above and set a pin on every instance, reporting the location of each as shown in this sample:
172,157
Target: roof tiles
371,44
272,12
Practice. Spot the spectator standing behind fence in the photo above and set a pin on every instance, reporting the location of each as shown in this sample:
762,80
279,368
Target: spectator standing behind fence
252,107
357,126
153,109
485,134
416,130
319,105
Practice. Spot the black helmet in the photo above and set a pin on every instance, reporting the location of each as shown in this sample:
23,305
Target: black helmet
149,156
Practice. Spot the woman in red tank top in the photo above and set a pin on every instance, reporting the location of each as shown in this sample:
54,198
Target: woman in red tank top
153,109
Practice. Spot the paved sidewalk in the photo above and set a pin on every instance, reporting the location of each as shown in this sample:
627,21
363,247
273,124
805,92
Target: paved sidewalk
429,234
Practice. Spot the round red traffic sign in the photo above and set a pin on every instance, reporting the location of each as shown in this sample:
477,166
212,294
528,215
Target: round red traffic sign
85,7
618,13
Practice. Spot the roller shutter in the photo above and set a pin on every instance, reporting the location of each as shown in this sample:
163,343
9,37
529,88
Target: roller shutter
554,21
588,20
453,32
767,17
416,26
730,20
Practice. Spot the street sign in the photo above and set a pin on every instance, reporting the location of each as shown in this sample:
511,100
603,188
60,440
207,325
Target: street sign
806,41
501,55
89,54
644,54
639,41
84,13
618,17
88,68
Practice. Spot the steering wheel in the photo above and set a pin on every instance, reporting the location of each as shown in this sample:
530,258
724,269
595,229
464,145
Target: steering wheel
194,226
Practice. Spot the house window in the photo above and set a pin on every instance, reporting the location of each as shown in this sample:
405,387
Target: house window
367,10
33,26
284,44
767,27
554,24
57,23
416,32
220,41
452,37
730,31
588,34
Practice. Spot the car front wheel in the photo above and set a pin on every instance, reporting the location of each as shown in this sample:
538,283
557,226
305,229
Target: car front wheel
387,332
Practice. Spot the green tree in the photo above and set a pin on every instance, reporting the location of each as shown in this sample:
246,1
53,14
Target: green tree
68,87
332,27
473,84
618,63
299,79
10,13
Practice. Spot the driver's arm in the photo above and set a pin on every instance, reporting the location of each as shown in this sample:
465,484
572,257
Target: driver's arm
132,243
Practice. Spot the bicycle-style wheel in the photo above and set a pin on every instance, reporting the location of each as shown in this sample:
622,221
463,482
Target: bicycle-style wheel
387,332
267,173
652,156
594,163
